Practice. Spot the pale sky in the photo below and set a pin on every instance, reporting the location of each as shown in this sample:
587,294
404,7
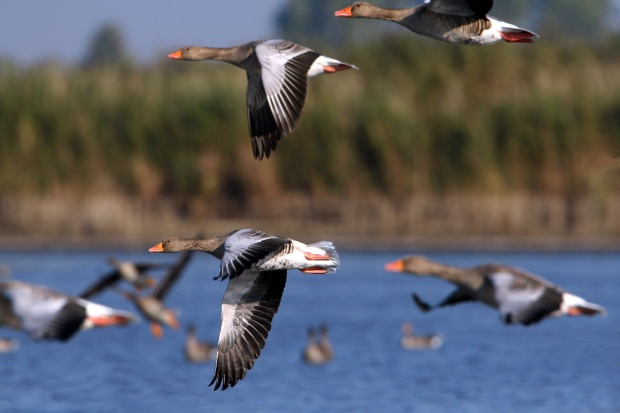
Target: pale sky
34,30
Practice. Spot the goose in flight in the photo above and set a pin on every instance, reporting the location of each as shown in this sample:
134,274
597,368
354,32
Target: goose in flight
47,314
278,72
131,272
452,21
152,306
255,265
519,296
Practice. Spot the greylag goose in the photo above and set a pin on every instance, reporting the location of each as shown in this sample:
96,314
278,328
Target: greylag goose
278,72
409,341
133,273
197,351
452,21
519,296
255,264
318,350
152,306
47,314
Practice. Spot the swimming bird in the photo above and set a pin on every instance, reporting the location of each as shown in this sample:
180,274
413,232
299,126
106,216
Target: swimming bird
152,306
255,264
47,314
197,351
278,72
519,296
8,345
452,21
409,341
133,273
318,351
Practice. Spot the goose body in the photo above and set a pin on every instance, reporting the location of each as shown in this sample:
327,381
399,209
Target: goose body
318,350
255,265
277,72
312,352
47,314
520,297
410,341
452,21
197,351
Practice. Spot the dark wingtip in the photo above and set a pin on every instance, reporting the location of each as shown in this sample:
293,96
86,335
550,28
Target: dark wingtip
421,304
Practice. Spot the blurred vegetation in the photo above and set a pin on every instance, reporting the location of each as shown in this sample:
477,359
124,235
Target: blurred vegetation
420,119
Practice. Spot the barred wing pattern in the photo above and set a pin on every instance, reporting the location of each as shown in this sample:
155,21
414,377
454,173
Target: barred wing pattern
248,306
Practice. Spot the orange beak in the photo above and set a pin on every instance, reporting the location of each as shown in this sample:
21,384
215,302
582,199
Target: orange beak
396,266
157,248
346,12
176,55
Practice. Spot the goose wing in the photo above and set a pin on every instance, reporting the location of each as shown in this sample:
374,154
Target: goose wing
276,93
171,276
521,300
247,247
101,284
248,306
461,7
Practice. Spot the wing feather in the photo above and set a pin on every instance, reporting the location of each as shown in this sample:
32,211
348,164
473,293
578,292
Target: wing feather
248,306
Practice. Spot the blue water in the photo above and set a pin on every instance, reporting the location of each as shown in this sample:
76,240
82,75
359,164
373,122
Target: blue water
560,365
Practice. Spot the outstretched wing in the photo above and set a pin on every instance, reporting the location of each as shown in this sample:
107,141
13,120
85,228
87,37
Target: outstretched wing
248,306
171,276
101,284
276,96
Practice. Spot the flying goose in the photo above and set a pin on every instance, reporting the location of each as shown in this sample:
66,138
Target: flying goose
278,72
519,296
452,21
255,264
133,273
152,306
47,314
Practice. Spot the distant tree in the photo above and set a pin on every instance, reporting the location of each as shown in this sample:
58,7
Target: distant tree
107,47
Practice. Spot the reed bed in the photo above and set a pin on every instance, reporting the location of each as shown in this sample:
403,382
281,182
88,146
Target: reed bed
426,138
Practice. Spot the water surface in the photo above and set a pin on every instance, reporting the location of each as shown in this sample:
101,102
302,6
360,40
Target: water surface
560,365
